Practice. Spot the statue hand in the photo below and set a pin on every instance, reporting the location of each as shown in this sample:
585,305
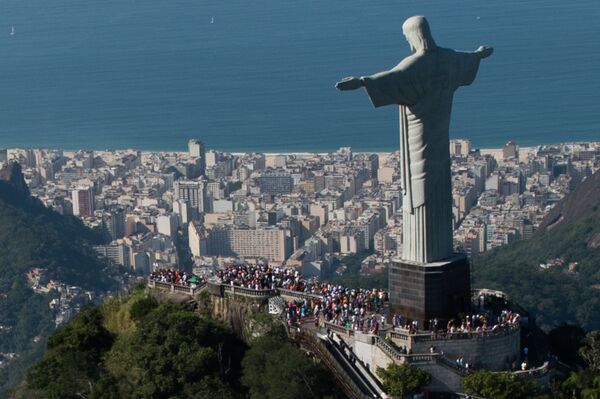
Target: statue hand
350,83
484,51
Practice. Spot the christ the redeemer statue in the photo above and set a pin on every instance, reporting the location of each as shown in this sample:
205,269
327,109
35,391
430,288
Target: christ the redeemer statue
423,85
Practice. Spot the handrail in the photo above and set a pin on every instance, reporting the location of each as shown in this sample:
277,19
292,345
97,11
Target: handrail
453,366
538,371
388,349
399,335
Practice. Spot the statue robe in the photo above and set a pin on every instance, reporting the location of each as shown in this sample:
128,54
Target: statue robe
423,85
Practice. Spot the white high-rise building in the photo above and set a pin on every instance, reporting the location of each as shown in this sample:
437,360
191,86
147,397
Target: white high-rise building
197,240
212,157
118,253
270,243
184,210
192,192
167,225
460,147
196,148
197,151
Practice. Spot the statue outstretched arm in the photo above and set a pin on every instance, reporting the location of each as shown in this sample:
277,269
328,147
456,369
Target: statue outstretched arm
484,51
350,83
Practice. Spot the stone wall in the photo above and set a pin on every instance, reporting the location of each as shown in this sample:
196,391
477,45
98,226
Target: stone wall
443,379
369,354
490,351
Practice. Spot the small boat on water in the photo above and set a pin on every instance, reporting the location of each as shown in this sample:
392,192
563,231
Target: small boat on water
12,31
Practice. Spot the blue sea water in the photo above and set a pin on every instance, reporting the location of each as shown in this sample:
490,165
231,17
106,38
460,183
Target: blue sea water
258,75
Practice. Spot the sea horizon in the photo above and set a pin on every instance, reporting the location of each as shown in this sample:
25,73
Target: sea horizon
260,76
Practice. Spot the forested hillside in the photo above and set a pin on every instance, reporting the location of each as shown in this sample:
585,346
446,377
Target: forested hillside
567,288
33,236
135,347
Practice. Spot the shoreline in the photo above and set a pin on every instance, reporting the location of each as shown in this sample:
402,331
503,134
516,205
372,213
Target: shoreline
527,149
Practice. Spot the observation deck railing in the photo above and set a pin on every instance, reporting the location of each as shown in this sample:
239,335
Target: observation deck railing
298,294
404,335
189,290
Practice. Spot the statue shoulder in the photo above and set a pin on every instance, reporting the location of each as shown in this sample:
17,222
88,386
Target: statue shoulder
408,62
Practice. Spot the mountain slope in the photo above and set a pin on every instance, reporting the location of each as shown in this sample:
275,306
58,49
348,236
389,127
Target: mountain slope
561,293
584,199
33,236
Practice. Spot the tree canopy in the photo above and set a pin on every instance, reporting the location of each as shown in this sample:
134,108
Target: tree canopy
401,379
135,347
492,385
274,369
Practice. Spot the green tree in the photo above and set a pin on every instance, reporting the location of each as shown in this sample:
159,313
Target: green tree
492,385
401,379
142,307
178,351
582,385
275,369
151,351
590,352
69,368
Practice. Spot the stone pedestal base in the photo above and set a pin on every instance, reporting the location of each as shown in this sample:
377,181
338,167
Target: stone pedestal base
423,291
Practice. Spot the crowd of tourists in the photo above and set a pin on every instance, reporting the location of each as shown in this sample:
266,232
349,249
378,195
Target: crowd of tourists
351,308
261,277
484,323
474,323
356,309
176,277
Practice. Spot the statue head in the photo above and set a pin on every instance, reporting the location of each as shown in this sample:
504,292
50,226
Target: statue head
416,30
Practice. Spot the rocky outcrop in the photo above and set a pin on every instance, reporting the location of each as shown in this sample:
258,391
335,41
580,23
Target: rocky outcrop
577,204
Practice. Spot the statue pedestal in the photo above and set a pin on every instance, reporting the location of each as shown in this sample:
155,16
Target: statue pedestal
423,291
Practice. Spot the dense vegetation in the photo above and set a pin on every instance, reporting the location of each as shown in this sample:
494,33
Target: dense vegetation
274,369
402,379
134,347
35,236
500,386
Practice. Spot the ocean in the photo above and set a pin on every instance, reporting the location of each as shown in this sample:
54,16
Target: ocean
259,75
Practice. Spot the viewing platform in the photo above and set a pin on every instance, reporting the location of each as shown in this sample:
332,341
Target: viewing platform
448,356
